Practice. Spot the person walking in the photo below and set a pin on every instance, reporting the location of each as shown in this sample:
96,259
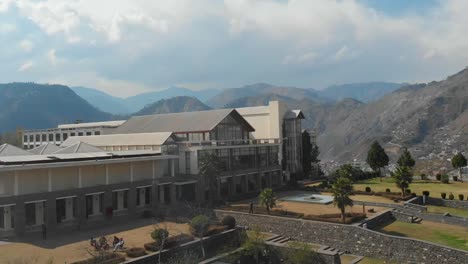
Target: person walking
251,208
44,231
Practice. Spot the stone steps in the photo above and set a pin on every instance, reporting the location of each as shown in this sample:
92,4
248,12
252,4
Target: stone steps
278,239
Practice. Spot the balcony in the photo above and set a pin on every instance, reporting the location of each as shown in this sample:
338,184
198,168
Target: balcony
236,142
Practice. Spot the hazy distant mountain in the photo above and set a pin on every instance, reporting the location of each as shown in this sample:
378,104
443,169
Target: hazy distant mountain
364,92
229,96
137,102
259,100
174,105
431,119
30,105
102,101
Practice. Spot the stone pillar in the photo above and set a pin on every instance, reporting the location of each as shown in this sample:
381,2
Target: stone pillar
20,218
50,214
154,197
161,194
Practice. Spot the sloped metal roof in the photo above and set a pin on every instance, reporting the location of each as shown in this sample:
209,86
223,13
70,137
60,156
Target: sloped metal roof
10,150
200,121
79,147
139,139
45,149
93,124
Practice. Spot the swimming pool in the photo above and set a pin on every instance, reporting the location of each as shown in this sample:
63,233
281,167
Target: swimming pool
309,198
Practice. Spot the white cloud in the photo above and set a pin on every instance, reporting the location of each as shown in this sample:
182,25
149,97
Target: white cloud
25,66
4,5
7,28
26,45
52,57
308,57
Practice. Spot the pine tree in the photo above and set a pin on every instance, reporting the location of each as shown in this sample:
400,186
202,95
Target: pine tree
377,158
406,160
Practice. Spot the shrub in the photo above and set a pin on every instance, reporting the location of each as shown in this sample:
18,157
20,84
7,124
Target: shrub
368,189
413,195
408,191
444,179
178,240
199,225
455,178
159,234
443,195
425,193
423,176
438,176
229,221
387,190
461,197
135,252
451,196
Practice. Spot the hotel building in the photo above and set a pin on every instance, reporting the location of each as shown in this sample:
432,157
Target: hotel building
147,163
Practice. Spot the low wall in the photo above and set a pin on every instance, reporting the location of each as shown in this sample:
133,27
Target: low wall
213,243
379,219
352,239
447,203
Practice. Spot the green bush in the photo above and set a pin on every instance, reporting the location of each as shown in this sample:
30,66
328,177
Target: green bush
455,178
368,189
438,176
445,179
461,197
451,196
387,190
423,176
443,195
135,252
408,191
426,193
199,225
229,221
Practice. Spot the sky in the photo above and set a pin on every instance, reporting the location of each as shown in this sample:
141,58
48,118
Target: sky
126,47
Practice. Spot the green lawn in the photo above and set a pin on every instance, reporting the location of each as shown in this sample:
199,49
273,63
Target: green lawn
443,234
418,186
368,260
443,209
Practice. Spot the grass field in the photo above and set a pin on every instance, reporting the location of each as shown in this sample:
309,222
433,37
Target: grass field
367,260
443,234
418,186
443,209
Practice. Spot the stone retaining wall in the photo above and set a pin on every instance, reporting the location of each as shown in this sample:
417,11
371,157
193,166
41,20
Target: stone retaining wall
353,239
447,203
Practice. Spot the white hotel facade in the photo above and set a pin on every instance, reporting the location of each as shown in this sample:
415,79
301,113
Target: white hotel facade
146,163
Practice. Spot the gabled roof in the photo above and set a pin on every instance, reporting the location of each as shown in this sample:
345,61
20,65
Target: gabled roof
294,114
158,138
200,121
79,147
10,150
45,149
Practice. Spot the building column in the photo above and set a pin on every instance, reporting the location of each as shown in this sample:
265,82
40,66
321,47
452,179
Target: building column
244,183
132,193
51,214
161,194
20,218
173,190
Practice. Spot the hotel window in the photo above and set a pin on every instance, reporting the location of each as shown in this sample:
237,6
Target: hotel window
72,134
94,204
31,138
25,138
120,200
65,136
38,138
51,137
80,134
44,137
223,155
97,133
262,156
143,196
57,137
89,133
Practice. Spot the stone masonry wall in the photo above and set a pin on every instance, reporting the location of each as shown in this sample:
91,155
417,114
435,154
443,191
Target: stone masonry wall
352,239
447,203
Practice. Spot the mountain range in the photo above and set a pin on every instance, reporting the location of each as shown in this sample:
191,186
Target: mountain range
430,119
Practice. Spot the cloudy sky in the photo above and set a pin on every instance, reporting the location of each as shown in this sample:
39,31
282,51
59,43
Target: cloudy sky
126,47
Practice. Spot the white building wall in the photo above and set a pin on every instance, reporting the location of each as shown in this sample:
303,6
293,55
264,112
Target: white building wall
7,183
142,170
119,172
33,181
93,175
64,178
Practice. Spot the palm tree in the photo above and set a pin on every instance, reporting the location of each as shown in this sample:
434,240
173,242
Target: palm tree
268,199
210,167
341,190
403,177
